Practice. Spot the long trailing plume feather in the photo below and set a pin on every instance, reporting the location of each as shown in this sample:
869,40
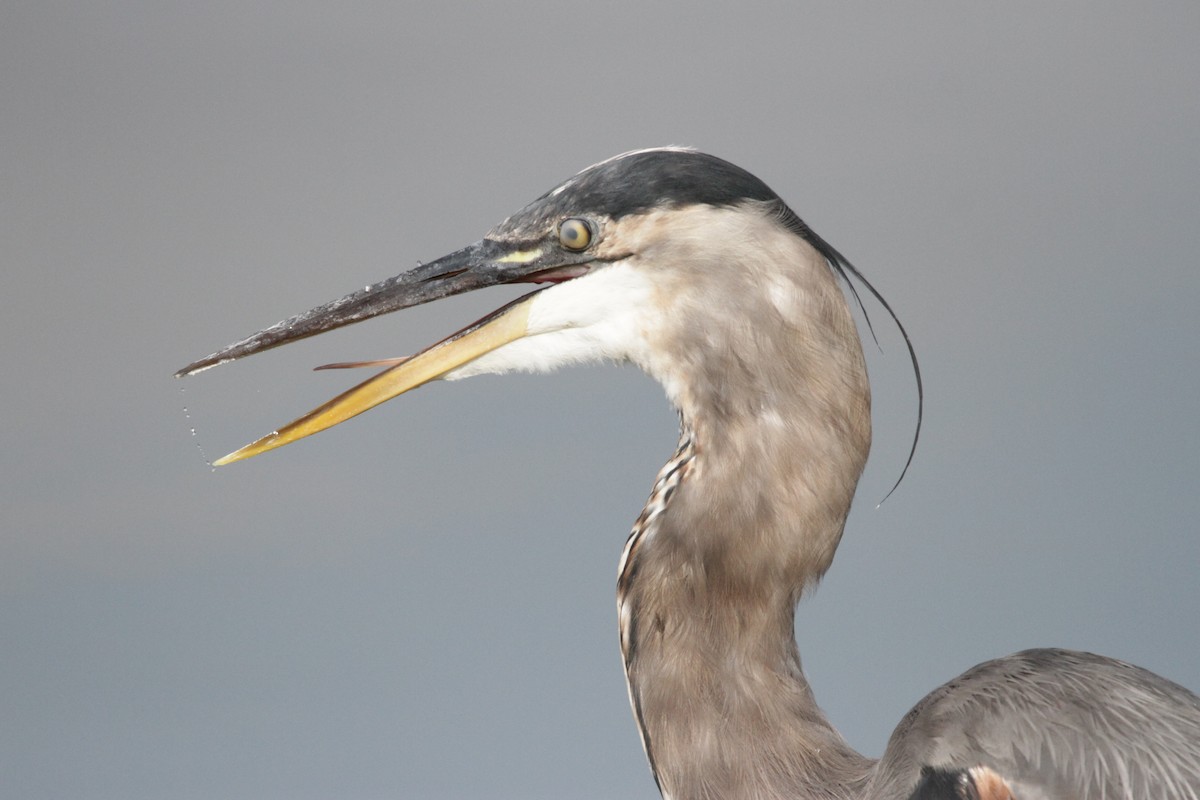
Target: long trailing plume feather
846,270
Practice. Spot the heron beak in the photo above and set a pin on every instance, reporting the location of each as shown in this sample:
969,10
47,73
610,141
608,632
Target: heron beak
485,263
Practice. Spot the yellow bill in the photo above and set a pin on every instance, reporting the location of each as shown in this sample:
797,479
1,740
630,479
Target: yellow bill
496,330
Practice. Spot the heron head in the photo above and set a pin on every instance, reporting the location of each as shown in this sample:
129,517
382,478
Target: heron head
633,254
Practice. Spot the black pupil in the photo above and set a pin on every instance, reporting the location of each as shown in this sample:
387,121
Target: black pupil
574,233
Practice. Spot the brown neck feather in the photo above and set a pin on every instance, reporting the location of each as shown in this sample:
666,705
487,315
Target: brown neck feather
744,518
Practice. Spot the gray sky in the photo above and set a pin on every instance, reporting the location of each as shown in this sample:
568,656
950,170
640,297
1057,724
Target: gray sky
420,602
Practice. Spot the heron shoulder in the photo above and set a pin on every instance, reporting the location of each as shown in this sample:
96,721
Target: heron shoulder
1055,723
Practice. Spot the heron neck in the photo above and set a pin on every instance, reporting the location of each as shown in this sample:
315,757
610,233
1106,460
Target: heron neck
733,534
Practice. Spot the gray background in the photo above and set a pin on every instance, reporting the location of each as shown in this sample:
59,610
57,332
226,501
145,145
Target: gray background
420,603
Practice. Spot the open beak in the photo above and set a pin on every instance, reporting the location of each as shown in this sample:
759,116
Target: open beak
485,263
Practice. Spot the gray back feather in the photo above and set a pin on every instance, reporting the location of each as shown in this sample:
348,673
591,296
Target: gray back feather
1055,724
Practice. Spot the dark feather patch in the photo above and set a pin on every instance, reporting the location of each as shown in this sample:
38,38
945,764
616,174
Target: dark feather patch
977,783
940,784
640,181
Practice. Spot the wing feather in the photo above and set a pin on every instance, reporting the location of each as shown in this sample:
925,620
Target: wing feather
1053,724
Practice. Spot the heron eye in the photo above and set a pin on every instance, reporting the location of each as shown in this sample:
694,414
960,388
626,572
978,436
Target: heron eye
575,234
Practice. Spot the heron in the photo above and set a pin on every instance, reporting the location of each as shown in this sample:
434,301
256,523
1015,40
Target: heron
694,270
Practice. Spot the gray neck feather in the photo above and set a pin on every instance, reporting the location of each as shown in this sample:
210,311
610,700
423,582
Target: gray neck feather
745,517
